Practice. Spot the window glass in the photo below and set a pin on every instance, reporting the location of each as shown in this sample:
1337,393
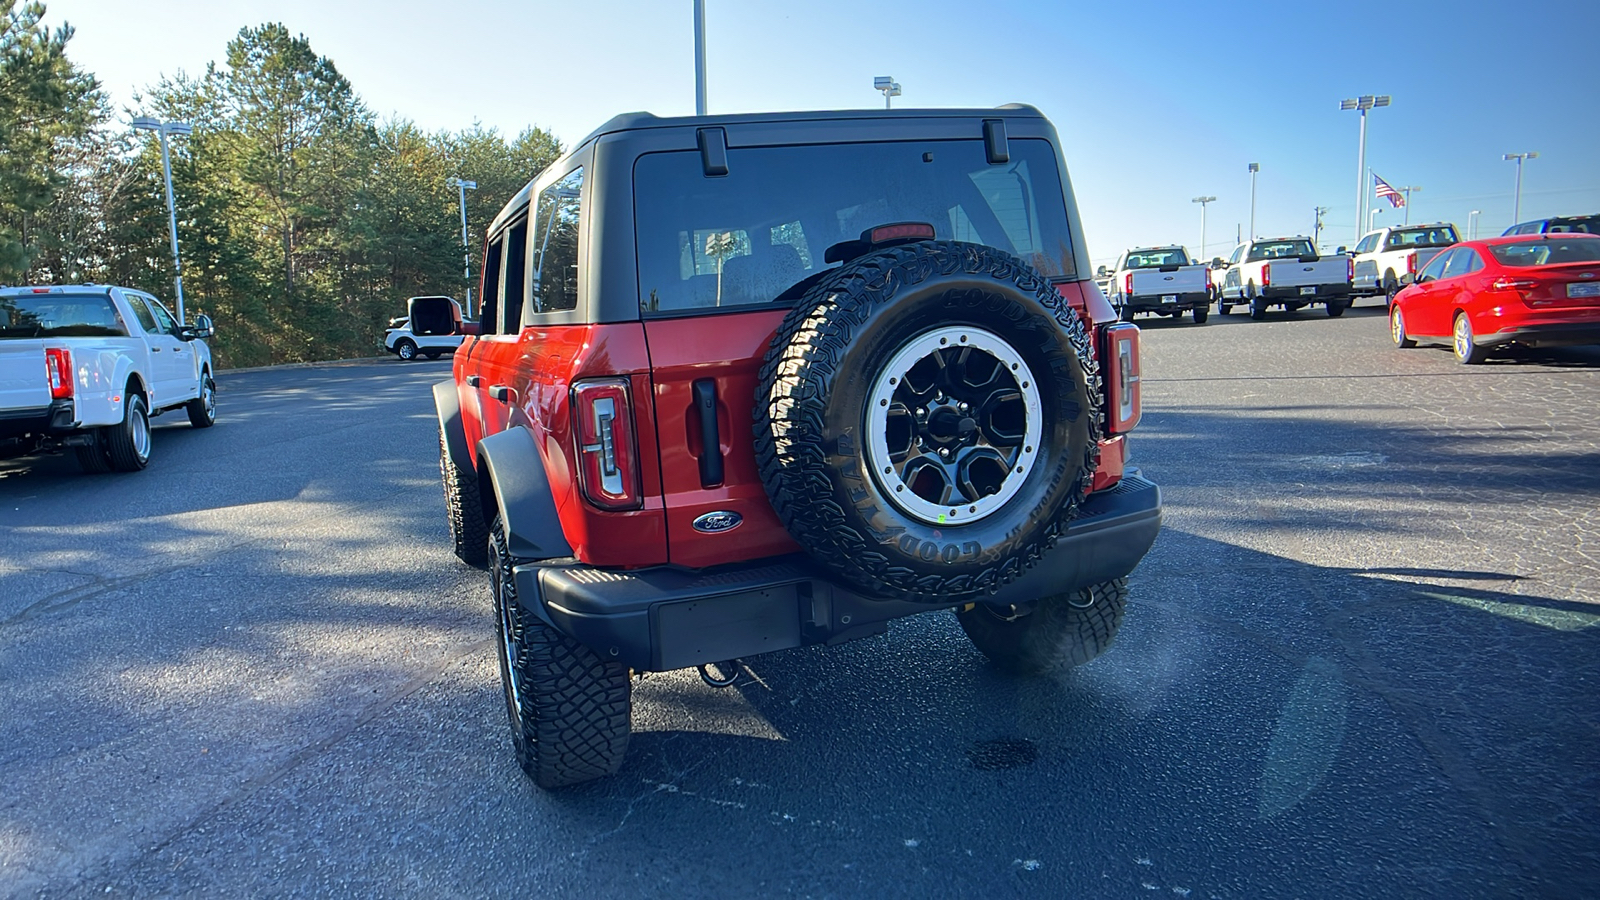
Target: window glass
1435,267
1152,259
1367,244
753,236
1429,236
1460,262
555,253
489,292
59,315
141,311
1475,261
1291,249
1543,251
164,321
1237,252
514,279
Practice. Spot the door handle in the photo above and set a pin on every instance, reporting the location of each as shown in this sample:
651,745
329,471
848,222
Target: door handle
155,349
502,393
473,381
705,405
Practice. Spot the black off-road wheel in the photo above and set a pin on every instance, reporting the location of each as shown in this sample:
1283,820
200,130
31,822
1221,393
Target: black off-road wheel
1058,632
202,410
128,443
927,419
463,510
569,707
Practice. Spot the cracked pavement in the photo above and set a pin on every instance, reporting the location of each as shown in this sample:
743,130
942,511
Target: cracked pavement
1358,662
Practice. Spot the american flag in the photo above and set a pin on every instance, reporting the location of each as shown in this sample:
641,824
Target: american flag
1395,198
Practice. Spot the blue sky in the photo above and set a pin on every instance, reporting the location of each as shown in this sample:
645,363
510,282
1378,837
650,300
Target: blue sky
1156,102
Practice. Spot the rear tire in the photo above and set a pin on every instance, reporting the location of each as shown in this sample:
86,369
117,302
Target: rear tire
569,708
1223,308
1390,288
1062,630
1466,348
92,456
1200,314
405,349
1336,308
463,509
431,354
1258,306
202,410
128,443
1125,314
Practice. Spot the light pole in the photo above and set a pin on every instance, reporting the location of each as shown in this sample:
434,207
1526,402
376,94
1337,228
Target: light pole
1516,209
1408,191
1472,225
888,85
1203,201
146,123
699,57
466,249
1254,168
1372,216
1316,225
1363,103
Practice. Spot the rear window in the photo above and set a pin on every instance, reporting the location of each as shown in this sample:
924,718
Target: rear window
1151,259
1280,250
752,236
1546,252
1437,236
59,315
1580,224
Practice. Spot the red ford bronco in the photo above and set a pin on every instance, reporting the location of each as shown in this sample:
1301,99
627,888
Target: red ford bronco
752,382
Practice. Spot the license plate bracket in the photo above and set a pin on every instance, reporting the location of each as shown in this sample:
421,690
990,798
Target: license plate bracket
1584,289
1308,291
1169,298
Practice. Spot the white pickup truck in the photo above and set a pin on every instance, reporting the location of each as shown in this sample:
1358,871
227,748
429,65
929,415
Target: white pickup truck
86,366
1160,280
1283,272
1388,259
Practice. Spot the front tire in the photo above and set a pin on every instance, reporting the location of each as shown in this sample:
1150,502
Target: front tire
569,708
1061,631
128,443
1466,347
405,349
202,410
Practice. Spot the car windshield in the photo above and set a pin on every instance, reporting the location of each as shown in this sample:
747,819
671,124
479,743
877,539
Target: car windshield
1151,259
1293,249
752,236
59,315
1435,236
1581,224
1545,252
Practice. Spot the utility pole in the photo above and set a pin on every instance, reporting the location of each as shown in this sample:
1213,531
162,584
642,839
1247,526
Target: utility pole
466,249
145,123
1316,228
1516,214
1254,168
1363,103
699,57
1203,201
1407,192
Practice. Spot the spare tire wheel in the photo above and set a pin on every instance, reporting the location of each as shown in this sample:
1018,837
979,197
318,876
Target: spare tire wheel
927,420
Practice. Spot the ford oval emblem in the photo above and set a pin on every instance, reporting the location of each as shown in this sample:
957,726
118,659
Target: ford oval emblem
717,522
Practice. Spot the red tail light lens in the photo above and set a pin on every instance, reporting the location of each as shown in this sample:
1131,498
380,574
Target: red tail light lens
58,370
1127,285
1411,263
1266,275
1349,268
1514,284
1120,366
608,457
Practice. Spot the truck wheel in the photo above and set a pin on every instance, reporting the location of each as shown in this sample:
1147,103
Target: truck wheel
92,456
128,443
569,707
1125,314
1390,288
405,349
1223,308
1336,308
431,354
463,510
203,409
1397,329
1258,307
1467,351
1060,631
927,419
1201,313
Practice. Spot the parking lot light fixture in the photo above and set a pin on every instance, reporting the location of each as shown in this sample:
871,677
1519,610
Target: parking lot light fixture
148,123
888,85
1203,201
1361,104
1408,190
1254,168
1472,224
1516,208
466,249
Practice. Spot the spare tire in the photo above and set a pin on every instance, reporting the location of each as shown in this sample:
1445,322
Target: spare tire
927,420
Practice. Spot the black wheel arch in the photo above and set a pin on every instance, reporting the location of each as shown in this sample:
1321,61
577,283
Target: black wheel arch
513,484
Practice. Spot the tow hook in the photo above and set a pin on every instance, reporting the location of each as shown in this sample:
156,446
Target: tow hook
730,666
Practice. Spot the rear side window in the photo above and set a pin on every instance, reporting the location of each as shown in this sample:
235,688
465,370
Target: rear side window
1435,267
141,311
1367,244
750,237
1460,263
489,305
59,315
514,281
555,249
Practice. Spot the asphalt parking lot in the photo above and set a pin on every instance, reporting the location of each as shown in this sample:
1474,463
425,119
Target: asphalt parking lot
1360,661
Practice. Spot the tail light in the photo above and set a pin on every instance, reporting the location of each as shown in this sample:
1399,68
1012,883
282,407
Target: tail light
1411,263
1514,284
1266,274
58,370
1127,285
1121,368
1349,268
608,458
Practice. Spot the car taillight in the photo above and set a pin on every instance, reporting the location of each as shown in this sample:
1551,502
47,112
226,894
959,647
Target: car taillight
58,370
1266,274
1411,263
1120,363
1127,285
1349,268
1514,284
608,458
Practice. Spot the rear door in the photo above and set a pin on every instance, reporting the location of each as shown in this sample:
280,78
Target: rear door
172,362
1429,310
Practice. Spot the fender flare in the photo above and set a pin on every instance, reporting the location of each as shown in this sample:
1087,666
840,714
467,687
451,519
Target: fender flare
448,405
521,491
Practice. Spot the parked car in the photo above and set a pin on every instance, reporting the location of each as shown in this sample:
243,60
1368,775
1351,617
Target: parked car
1160,280
1388,259
1532,290
87,366
1559,225
1286,272
432,335
897,307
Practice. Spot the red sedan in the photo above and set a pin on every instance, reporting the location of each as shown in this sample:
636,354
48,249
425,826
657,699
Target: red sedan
1535,290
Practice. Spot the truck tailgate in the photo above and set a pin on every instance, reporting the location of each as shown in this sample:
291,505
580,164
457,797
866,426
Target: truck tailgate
1182,280
22,375
1293,272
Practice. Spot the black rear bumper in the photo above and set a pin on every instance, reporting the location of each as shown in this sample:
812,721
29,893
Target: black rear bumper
56,418
1152,303
1291,294
667,618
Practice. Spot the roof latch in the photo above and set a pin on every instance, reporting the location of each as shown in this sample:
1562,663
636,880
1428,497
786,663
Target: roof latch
995,145
714,150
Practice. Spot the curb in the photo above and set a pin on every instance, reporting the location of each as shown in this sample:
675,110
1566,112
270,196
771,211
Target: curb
306,365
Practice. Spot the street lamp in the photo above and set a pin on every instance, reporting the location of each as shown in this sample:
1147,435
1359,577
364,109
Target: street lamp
146,123
889,86
466,251
699,57
1516,213
1408,191
1472,225
1372,216
1254,168
1362,104
1203,201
